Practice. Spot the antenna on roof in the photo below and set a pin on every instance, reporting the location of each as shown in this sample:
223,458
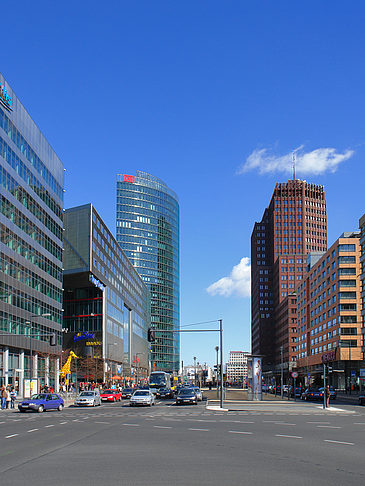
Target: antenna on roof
293,165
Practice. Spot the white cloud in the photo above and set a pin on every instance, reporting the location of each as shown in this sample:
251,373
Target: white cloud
316,162
238,283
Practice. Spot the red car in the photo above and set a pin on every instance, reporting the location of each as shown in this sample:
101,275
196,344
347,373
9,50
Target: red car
111,396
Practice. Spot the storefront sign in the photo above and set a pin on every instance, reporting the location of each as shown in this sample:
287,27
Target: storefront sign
128,178
83,335
328,357
5,98
96,282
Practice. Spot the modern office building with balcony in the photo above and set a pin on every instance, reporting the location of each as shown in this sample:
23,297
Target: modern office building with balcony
31,233
148,231
329,314
106,303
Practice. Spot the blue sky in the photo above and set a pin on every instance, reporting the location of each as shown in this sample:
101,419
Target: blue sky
209,96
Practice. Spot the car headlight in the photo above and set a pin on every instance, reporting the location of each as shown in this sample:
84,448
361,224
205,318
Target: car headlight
31,404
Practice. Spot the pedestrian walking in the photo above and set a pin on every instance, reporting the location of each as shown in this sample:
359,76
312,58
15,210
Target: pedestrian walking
13,398
327,394
8,398
3,397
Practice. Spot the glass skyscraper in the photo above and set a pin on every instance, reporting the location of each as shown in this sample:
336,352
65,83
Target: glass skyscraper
31,234
105,300
148,231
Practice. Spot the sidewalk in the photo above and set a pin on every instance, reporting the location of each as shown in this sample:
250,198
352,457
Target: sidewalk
267,406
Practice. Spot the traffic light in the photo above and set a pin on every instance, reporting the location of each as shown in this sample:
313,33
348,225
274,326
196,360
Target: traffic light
53,339
150,335
217,369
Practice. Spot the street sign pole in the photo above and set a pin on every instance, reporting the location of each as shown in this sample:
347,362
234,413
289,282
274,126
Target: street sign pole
324,385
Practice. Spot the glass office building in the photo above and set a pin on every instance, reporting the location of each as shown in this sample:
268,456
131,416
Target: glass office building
106,303
148,231
31,233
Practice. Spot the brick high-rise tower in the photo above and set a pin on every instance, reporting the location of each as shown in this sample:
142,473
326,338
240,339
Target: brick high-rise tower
294,224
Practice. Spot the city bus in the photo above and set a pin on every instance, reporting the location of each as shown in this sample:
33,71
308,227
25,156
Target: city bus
159,379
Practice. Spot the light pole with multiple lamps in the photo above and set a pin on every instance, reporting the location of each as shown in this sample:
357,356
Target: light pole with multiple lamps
30,322
217,350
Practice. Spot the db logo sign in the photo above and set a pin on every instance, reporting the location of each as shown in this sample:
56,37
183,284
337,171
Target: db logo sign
128,178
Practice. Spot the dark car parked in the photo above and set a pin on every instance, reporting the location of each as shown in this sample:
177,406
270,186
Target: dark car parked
297,392
362,400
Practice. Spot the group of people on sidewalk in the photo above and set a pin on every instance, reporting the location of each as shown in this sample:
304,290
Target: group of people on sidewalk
8,397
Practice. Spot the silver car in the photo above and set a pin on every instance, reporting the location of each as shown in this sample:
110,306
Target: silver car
142,397
198,392
88,399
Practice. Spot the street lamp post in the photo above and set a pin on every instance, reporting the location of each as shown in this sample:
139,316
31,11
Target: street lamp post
137,368
282,373
194,370
216,350
31,346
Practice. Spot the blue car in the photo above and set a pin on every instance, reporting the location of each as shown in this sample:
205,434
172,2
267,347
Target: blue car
41,402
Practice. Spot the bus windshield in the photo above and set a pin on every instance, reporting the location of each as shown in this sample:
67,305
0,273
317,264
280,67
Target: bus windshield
159,380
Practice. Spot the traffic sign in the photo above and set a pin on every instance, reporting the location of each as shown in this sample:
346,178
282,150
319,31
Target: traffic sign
294,374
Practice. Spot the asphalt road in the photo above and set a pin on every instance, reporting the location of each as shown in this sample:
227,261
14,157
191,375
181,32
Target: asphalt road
190,445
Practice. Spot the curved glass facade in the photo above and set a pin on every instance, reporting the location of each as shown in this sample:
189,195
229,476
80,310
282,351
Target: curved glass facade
148,232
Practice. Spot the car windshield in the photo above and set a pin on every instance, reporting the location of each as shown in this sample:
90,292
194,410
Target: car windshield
128,389
40,396
141,393
109,392
186,391
86,394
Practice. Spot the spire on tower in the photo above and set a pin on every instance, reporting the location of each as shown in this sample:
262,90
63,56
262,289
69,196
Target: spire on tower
293,165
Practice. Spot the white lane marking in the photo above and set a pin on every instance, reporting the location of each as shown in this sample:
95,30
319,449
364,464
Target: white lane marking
239,432
338,442
2,422
237,421
317,422
201,430
161,427
203,420
46,426
131,425
107,423
283,423
289,436
32,430
355,423
62,423
9,436
328,427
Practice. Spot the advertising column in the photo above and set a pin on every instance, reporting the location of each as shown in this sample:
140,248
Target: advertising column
254,375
